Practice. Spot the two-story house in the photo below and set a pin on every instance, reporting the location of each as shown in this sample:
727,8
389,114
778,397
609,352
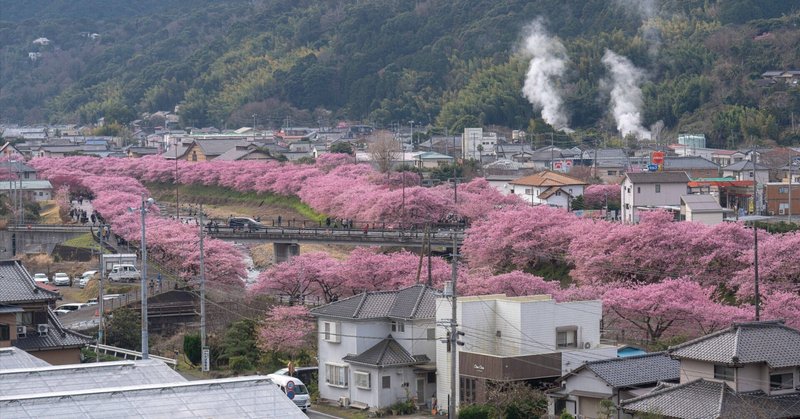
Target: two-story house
377,348
27,322
616,379
548,188
530,339
651,190
748,370
743,170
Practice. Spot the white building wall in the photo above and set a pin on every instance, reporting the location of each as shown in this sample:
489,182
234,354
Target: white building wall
705,218
752,377
443,361
645,195
587,381
692,370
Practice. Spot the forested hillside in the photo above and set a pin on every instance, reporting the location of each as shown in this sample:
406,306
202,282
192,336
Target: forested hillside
448,62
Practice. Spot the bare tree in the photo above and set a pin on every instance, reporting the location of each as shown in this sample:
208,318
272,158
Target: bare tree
384,150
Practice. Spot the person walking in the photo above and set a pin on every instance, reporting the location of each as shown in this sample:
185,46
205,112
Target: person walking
279,220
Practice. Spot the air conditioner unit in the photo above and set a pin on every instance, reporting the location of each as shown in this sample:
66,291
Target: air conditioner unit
22,332
782,211
42,329
587,345
344,401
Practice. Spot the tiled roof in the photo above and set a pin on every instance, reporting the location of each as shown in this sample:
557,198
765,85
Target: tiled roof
688,163
635,370
701,399
743,166
387,353
415,302
658,177
17,286
57,337
745,343
15,358
547,178
217,147
550,191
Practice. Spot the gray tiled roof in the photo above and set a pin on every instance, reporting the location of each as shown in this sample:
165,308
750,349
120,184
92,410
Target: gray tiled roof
701,399
635,370
15,358
415,302
17,285
658,177
743,165
56,337
688,163
217,147
82,376
387,353
745,343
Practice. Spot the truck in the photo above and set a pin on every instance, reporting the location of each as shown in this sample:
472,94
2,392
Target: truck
118,259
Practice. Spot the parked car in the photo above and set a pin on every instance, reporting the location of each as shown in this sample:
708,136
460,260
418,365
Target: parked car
68,308
60,279
300,395
85,278
40,277
124,273
244,223
308,374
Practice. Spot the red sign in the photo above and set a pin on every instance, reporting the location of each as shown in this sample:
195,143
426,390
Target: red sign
658,157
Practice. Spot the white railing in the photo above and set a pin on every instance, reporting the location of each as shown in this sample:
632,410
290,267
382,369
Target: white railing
125,353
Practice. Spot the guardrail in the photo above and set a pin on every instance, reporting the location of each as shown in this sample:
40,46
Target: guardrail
125,353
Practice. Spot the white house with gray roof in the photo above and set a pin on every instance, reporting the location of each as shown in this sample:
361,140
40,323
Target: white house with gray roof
584,388
747,370
377,348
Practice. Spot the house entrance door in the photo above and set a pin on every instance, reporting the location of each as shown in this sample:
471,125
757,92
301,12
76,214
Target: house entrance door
421,390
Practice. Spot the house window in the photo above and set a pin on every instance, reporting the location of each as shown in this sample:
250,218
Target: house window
5,332
386,381
784,381
467,393
658,188
612,173
336,375
558,193
638,189
194,156
750,174
528,191
567,337
362,380
25,319
398,326
330,332
723,372
431,334
783,190
431,377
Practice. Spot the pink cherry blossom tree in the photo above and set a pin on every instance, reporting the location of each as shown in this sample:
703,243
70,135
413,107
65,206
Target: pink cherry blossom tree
286,329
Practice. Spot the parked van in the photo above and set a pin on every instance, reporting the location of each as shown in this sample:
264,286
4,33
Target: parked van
299,392
124,272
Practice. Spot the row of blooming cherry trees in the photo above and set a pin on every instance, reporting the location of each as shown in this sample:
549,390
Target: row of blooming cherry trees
660,277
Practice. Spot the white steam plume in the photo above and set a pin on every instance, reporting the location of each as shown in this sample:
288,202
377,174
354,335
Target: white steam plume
626,96
548,61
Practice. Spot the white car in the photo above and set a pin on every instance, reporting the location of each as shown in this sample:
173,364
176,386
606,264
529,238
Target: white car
85,278
61,278
68,308
41,278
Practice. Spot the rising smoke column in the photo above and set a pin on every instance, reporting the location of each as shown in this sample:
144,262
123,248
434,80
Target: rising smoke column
626,96
548,61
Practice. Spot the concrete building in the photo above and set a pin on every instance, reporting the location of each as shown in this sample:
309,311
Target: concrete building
649,190
777,198
548,188
529,339
475,143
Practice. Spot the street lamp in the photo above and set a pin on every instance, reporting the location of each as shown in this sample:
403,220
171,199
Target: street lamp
146,203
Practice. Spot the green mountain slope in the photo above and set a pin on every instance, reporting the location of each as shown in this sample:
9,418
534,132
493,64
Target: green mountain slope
448,62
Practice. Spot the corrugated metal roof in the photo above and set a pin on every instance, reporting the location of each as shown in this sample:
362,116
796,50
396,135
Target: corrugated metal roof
15,358
242,397
26,185
658,177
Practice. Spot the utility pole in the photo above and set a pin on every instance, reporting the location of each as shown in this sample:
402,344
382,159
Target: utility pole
102,329
552,151
451,409
145,337
791,169
205,351
177,203
755,240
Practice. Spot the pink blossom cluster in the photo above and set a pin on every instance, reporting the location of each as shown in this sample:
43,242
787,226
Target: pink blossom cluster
597,196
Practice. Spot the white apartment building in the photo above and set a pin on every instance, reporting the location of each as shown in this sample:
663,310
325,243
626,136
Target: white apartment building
516,339
476,143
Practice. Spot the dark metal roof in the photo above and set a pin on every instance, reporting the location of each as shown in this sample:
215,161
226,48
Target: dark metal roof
658,177
17,285
702,399
387,353
688,163
415,302
635,370
743,166
769,342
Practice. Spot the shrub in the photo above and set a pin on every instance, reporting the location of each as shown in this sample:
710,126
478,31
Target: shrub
192,349
239,364
476,411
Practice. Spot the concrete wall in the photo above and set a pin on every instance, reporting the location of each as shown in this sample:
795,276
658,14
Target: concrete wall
31,241
59,356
